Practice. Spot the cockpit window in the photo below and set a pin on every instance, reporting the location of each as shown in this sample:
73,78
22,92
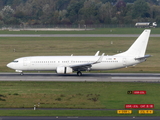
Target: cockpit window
15,61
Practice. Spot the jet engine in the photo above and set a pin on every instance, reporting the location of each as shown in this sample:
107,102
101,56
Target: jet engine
64,70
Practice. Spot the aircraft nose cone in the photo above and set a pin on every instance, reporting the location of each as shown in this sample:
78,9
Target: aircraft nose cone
9,65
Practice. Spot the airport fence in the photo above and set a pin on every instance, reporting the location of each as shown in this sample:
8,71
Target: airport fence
68,26
75,26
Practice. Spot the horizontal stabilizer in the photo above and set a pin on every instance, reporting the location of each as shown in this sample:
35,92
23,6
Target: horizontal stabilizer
140,58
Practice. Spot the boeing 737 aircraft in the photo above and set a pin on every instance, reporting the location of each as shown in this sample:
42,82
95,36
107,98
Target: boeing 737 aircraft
68,64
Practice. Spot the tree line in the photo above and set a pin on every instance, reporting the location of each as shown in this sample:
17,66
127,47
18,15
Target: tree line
83,12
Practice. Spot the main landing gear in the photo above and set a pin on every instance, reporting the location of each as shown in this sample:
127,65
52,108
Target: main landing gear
21,73
79,73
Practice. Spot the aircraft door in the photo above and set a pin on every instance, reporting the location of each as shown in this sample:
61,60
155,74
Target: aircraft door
124,62
26,62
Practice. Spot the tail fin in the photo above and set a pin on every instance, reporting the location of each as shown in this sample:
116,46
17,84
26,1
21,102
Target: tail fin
138,48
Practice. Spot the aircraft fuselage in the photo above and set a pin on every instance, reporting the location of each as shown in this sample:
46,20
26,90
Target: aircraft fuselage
48,63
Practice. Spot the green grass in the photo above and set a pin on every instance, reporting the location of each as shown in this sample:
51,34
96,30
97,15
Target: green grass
74,113
96,31
74,95
12,48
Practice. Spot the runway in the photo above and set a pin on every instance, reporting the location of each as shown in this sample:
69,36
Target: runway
86,77
75,35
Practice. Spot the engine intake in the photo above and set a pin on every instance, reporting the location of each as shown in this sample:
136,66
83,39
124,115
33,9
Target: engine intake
64,70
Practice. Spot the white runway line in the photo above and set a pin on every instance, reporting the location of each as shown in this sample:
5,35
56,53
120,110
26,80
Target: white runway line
62,80
138,78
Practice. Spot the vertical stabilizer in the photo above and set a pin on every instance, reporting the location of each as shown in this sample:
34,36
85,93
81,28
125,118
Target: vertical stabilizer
138,48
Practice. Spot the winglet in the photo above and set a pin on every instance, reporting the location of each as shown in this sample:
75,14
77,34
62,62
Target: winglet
100,58
97,53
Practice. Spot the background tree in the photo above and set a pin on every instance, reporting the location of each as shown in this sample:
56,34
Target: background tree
52,12
73,11
140,9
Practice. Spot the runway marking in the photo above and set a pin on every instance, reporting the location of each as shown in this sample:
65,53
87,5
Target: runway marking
141,78
66,80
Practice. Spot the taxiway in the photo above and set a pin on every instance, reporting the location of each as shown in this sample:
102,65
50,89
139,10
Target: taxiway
74,35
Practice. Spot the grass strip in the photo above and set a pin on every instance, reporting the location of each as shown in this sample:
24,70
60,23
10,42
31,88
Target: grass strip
84,95
75,113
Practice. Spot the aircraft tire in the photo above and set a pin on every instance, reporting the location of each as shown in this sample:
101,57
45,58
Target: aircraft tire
21,73
79,73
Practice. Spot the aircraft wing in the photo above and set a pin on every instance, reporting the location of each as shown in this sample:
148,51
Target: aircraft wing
87,66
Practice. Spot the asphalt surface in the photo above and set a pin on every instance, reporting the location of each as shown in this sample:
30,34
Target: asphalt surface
86,77
75,35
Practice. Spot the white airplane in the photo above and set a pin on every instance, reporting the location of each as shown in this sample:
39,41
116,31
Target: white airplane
68,64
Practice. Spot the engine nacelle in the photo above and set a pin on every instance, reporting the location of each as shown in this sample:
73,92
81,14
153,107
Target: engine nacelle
64,70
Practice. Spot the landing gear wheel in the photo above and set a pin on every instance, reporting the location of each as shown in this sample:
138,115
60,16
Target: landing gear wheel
21,73
79,73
